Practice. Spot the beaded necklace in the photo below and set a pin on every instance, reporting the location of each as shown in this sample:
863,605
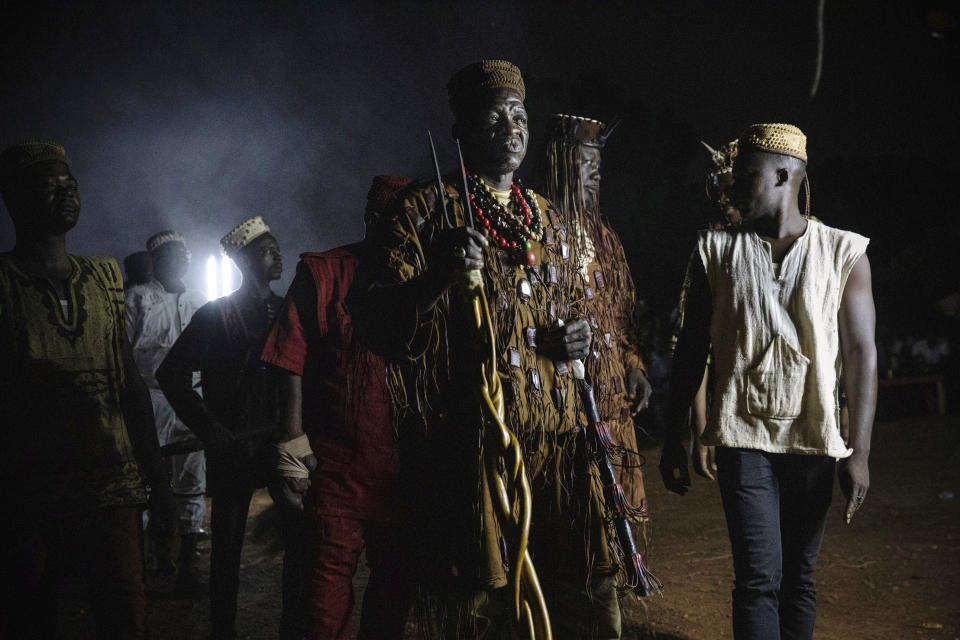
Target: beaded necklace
509,230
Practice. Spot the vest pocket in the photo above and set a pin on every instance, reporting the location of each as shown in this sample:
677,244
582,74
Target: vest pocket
775,386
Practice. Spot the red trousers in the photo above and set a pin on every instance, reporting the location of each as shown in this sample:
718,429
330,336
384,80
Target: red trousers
105,545
332,547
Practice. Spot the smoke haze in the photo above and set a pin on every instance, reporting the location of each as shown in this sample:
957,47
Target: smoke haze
193,116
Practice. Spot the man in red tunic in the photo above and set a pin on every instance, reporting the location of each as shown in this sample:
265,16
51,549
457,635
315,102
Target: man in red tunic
339,460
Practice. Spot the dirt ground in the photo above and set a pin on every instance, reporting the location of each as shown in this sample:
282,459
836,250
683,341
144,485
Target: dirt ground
893,574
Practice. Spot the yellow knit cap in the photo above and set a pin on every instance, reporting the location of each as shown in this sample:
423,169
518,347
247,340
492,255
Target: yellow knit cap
243,234
777,138
482,76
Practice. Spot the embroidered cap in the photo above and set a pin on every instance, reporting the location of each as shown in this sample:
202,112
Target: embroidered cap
472,80
243,234
157,240
20,156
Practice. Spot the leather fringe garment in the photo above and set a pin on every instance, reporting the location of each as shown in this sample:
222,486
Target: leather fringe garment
438,409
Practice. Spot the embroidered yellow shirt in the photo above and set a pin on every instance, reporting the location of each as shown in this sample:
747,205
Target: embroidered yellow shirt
65,443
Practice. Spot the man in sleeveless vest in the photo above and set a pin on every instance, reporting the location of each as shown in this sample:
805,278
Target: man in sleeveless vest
156,314
339,458
237,417
417,314
786,301
615,365
77,421
721,214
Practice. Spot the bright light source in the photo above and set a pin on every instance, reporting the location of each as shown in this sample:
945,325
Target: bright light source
212,289
226,276
219,277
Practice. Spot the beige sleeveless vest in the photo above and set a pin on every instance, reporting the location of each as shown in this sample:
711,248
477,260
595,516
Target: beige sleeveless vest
776,340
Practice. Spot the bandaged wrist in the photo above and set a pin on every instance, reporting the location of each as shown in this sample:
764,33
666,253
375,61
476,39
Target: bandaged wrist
289,456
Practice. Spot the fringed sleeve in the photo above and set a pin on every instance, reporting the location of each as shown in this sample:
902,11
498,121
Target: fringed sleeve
392,321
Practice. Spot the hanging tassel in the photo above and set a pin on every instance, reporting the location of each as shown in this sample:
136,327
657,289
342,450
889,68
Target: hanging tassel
646,583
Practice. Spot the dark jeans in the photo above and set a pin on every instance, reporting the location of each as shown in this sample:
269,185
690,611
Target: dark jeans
105,545
776,506
332,547
228,524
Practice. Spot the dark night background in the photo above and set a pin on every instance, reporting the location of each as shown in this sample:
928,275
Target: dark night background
197,115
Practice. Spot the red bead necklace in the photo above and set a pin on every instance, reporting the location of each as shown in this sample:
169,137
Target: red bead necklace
508,230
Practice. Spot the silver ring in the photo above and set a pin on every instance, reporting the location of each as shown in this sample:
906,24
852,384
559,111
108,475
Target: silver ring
460,252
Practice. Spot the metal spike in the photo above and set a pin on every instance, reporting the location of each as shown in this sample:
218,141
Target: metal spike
440,190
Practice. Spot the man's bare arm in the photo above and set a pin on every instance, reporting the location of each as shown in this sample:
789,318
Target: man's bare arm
704,457
857,319
690,356
291,419
689,360
291,405
175,377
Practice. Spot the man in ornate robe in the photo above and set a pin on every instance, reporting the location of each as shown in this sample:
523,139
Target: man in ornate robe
416,312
